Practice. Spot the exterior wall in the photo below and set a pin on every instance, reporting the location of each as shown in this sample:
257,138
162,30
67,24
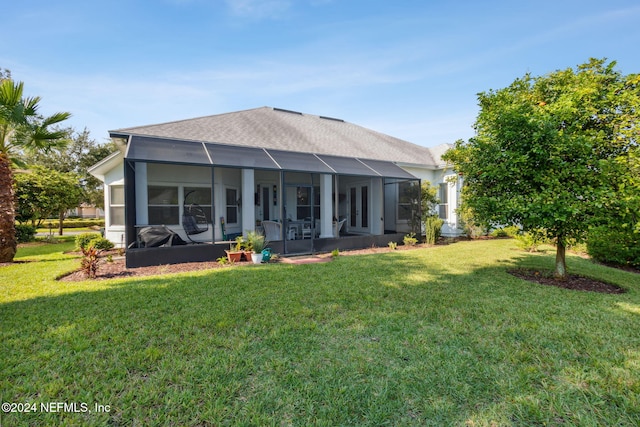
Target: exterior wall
451,226
113,232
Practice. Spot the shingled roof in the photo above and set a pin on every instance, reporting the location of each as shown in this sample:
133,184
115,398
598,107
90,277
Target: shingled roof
274,128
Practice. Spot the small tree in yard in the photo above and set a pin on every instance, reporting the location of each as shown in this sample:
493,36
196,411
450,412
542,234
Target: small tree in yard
547,151
42,193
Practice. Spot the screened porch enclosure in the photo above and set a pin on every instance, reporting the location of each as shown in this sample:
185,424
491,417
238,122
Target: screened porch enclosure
303,202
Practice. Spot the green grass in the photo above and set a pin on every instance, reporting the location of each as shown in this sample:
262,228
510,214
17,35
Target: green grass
437,336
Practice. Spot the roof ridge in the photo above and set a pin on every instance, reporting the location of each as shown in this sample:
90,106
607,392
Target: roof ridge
170,122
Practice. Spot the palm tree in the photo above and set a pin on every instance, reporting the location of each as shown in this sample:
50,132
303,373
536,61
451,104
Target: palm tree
21,128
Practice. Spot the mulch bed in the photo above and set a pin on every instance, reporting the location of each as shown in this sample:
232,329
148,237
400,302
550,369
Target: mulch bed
574,282
117,269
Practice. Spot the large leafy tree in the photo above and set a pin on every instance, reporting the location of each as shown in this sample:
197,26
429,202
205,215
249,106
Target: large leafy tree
548,150
21,127
43,193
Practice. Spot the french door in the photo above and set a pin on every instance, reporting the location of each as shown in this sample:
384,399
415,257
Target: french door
266,202
359,208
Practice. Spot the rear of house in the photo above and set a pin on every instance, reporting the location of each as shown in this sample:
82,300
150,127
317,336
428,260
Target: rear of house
310,183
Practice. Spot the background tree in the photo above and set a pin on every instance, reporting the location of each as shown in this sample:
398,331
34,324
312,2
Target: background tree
546,151
21,127
76,157
44,193
617,239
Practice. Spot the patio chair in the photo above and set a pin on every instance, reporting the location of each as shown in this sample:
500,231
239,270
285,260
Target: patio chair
306,230
194,219
272,230
339,227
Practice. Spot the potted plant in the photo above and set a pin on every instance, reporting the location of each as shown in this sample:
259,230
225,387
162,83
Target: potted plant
234,254
245,246
257,243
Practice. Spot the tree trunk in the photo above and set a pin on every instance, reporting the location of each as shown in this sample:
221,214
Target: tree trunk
8,242
60,220
561,264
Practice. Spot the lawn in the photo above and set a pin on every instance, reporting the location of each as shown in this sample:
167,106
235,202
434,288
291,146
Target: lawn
437,336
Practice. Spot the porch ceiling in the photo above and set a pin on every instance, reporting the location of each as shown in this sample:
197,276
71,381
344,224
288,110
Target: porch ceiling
161,150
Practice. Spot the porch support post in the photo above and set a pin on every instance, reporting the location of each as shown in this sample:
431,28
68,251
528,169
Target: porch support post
142,196
129,202
326,207
248,201
377,207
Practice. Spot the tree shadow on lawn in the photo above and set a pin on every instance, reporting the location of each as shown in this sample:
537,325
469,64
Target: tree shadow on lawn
381,338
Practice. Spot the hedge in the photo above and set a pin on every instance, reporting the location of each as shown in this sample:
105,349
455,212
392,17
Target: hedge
73,223
611,246
25,233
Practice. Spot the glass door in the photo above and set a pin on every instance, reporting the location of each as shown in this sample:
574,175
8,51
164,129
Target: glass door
359,208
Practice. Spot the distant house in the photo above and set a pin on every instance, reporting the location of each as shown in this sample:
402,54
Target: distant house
312,183
86,210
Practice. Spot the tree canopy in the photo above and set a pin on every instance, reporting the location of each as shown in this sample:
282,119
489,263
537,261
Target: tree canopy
77,156
21,127
549,150
43,193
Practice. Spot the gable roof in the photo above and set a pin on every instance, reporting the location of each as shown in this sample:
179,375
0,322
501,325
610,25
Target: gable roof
285,130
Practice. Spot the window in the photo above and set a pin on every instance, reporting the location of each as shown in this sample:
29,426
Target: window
200,196
232,205
405,200
116,205
443,194
163,204
304,203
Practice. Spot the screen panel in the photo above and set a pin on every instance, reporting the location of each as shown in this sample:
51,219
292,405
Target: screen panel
388,169
244,157
167,150
347,165
303,162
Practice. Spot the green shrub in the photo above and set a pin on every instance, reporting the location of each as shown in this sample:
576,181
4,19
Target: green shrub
528,241
469,223
498,232
100,243
83,239
410,239
432,229
510,231
25,233
392,245
611,246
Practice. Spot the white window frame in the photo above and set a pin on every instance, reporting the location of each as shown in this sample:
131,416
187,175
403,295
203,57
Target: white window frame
119,206
443,189
234,204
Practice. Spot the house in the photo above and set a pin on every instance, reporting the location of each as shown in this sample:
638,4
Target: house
86,210
312,183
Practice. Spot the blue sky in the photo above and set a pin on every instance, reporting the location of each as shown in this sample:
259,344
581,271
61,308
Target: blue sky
410,69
